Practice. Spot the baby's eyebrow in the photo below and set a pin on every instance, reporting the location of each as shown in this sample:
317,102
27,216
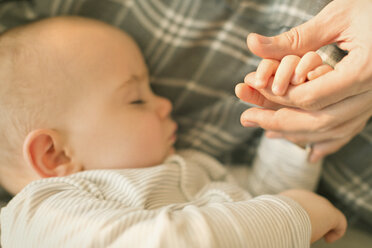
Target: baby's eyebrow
132,79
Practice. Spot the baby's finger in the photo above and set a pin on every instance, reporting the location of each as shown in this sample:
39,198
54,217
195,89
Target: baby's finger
265,70
284,74
319,71
308,62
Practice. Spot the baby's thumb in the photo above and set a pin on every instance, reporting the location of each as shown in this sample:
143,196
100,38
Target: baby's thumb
309,36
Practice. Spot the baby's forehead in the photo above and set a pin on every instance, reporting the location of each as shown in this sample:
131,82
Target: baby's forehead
58,40
64,49
85,39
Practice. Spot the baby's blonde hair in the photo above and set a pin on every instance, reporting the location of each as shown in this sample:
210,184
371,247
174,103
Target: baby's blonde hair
26,98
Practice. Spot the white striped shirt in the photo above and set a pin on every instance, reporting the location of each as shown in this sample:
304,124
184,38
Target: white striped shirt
189,201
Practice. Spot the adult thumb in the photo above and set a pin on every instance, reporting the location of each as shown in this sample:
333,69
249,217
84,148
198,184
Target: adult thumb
309,36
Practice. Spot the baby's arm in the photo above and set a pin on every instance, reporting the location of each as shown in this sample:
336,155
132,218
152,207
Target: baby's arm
282,167
74,213
292,69
326,220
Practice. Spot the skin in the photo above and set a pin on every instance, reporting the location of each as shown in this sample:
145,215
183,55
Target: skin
292,69
118,118
334,107
320,209
112,120
279,75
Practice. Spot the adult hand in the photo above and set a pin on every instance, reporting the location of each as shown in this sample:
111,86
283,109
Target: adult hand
333,108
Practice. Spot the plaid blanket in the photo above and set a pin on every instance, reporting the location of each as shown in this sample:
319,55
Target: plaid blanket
196,53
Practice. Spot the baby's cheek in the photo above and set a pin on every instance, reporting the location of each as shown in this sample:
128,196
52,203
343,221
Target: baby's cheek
149,147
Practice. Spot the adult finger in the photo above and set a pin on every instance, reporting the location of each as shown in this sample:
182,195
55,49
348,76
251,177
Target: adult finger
320,150
350,128
246,93
297,120
249,95
309,36
342,82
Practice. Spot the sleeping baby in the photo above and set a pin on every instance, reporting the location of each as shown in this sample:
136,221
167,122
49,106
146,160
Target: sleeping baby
88,151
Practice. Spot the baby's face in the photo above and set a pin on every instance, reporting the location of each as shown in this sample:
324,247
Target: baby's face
117,122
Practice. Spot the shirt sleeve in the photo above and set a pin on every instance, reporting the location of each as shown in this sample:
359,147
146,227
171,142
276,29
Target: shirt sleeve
280,165
66,214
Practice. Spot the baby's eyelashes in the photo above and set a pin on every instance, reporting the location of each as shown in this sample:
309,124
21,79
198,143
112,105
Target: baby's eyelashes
139,101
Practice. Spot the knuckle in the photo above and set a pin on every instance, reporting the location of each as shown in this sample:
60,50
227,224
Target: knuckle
277,122
274,125
324,122
309,102
294,39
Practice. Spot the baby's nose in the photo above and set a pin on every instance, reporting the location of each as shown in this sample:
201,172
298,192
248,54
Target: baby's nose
164,107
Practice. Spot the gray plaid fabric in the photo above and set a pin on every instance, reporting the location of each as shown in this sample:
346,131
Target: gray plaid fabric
196,53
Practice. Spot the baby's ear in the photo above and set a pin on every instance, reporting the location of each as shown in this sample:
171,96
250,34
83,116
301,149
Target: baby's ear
44,151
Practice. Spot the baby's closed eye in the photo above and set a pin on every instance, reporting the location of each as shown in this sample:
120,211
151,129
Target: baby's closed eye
139,101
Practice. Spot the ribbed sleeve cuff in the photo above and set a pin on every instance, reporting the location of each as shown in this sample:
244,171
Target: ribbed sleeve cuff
290,219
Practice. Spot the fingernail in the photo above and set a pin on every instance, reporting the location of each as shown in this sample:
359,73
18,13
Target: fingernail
263,39
249,124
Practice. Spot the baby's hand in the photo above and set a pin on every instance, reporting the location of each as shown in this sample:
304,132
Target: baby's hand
326,220
290,70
